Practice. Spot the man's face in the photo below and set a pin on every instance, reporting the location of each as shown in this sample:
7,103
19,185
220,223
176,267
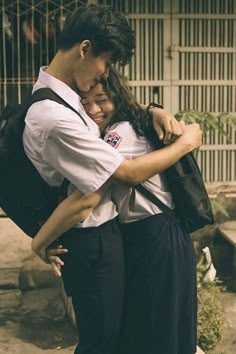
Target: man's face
91,70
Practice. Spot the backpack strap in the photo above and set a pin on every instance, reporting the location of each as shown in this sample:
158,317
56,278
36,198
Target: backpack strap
153,199
46,93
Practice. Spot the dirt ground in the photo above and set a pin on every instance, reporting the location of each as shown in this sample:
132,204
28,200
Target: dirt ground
38,325
30,328
21,335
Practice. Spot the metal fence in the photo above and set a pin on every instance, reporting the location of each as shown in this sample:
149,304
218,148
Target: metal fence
185,58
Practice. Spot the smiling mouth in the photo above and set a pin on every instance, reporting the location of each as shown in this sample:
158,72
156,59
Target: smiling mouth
99,120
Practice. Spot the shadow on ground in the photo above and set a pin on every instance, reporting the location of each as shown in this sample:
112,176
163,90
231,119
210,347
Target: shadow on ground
40,332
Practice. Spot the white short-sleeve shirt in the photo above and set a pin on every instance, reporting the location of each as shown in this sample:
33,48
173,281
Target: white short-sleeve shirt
132,205
60,145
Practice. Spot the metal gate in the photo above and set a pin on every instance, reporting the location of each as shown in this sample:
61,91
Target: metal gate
185,58
29,31
203,49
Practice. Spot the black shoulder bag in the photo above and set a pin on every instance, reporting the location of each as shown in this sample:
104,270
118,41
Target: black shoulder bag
192,203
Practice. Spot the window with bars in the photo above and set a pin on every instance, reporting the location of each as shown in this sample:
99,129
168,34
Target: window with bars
29,31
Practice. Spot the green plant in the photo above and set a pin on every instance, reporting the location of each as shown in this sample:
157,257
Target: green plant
209,121
210,316
219,208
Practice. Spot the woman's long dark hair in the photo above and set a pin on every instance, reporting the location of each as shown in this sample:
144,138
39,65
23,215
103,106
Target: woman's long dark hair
127,108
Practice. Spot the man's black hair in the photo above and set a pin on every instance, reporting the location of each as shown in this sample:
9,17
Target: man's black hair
106,29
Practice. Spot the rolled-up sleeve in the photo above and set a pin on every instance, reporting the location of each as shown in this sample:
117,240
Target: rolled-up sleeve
79,155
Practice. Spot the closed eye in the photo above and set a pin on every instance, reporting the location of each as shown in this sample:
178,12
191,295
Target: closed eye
101,101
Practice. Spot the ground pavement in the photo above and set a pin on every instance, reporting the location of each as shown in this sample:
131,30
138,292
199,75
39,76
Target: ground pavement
33,321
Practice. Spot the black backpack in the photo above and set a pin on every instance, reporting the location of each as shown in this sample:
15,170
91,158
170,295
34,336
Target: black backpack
24,195
192,203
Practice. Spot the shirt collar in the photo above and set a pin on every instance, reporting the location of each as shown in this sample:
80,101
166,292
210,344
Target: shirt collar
59,87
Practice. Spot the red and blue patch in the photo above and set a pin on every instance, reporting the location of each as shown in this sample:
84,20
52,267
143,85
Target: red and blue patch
113,139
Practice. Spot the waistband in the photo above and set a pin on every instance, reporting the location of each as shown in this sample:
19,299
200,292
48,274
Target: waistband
150,221
89,231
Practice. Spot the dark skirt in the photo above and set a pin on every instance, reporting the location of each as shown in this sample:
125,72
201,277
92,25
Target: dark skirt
161,302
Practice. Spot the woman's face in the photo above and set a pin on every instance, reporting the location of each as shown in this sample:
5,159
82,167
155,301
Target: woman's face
98,106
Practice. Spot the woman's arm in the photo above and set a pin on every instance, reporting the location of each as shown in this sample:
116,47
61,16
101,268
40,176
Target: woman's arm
165,124
74,209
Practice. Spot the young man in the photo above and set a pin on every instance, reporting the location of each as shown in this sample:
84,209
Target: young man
61,145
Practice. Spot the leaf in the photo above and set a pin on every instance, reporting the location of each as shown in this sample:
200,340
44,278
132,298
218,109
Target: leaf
219,208
209,121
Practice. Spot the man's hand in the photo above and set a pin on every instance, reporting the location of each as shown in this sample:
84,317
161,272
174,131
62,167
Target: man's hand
53,259
166,126
191,136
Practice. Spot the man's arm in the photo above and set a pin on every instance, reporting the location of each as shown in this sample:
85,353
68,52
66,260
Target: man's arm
138,170
142,168
75,152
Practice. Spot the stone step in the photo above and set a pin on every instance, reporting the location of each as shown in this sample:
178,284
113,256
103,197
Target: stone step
228,231
10,298
44,303
35,274
9,278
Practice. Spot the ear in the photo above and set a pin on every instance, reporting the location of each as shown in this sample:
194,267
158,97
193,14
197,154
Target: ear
84,47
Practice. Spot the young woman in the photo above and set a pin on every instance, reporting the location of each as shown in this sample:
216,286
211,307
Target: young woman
160,303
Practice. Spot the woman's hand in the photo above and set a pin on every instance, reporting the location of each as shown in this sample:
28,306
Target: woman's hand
166,126
52,257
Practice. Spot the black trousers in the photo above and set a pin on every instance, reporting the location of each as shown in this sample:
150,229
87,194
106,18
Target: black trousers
93,275
160,287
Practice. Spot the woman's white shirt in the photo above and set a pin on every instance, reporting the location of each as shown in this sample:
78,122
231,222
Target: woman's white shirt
132,205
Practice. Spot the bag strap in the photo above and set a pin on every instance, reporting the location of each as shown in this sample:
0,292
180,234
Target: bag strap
46,93
155,200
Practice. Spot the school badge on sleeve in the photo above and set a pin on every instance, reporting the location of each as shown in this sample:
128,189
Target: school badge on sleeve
113,139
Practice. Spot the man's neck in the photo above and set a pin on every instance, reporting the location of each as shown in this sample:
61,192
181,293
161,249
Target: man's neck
60,68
